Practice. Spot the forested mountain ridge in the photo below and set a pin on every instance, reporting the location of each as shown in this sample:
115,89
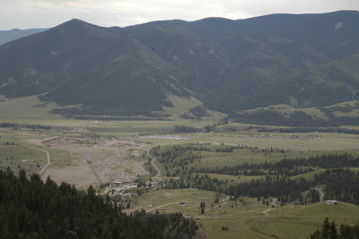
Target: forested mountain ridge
300,60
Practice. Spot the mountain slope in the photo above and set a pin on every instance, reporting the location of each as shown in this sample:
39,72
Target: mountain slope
302,60
78,63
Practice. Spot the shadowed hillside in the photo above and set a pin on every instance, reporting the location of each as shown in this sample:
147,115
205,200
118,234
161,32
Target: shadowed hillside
301,60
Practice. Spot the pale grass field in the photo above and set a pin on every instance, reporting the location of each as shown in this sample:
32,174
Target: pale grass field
21,111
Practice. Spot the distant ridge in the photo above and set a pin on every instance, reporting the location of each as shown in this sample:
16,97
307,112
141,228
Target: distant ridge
305,60
13,34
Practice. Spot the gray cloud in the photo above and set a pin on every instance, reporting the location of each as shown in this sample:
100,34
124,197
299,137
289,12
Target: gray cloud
25,14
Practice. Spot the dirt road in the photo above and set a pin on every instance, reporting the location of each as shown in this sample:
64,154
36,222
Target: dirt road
48,160
321,193
153,162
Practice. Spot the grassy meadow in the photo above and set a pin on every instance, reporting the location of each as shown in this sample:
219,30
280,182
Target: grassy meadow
17,152
301,221
244,218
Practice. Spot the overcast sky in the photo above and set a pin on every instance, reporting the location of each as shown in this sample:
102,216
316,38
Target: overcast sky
25,14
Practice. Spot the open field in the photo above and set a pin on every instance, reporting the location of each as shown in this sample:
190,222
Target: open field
87,152
245,218
78,160
16,156
226,213
74,143
300,221
30,111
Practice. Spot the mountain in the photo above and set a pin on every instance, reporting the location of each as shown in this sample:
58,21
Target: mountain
302,60
10,35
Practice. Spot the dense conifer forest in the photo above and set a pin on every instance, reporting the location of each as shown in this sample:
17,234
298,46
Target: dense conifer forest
31,208
297,118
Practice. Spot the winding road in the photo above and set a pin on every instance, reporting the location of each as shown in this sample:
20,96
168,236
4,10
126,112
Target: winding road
321,193
154,165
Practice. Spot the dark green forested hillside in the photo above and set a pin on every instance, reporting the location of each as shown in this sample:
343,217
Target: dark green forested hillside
31,208
301,60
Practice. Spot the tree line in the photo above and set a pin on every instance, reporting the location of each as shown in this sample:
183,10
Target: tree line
341,184
285,189
298,119
29,126
185,159
272,117
287,167
305,129
330,230
276,178
31,208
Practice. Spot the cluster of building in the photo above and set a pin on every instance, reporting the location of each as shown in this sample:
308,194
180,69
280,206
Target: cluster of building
154,183
171,137
332,202
119,188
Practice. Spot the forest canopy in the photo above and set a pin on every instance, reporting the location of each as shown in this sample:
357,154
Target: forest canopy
31,208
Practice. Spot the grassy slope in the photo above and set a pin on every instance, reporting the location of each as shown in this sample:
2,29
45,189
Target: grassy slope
246,221
20,155
28,110
214,217
301,221
26,154
182,105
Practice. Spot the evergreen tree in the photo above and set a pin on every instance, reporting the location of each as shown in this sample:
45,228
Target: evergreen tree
325,228
329,230
333,233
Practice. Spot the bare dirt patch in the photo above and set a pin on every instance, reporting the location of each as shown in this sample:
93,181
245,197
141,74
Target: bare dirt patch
266,212
95,160
170,194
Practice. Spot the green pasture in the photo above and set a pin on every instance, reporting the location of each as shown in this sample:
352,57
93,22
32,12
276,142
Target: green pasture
293,141
168,201
230,178
231,214
246,217
310,175
300,221
287,109
182,105
300,142
18,155
236,229
213,160
30,110
61,158
314,111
